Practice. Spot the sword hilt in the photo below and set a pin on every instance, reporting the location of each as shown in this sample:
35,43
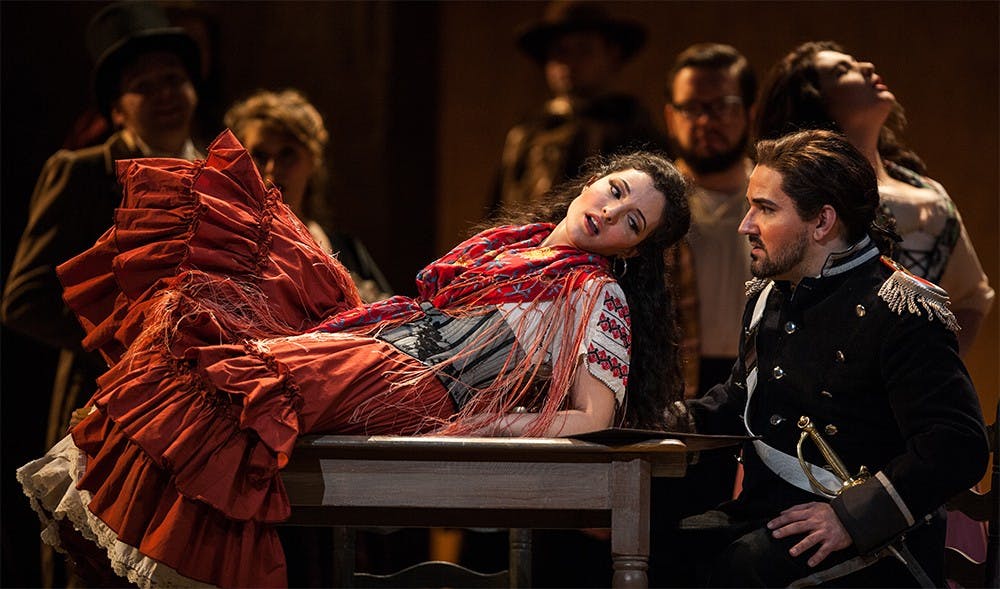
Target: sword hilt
810,432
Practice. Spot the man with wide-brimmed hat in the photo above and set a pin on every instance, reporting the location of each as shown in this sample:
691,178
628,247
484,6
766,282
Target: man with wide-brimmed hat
580,48
144,78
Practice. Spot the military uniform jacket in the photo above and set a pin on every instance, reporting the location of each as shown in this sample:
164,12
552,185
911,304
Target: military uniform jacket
881,380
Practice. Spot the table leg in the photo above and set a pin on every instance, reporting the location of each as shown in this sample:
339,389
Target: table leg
630,524
519,566
344,552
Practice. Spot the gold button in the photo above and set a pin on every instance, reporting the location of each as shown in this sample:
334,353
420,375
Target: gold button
831,430
826,394
838,356
778,372
860,310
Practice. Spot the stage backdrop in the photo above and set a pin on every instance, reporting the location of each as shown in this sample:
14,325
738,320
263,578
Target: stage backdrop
418,97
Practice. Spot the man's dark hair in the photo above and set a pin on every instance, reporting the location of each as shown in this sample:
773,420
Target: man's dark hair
716,56
820,167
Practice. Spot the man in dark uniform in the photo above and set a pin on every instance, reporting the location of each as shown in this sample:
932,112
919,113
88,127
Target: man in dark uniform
835,333
580,49
143,79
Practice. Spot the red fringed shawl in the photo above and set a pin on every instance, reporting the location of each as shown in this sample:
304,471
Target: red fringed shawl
504,265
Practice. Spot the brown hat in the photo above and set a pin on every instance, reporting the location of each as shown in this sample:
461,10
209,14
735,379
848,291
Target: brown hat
563,17
124,30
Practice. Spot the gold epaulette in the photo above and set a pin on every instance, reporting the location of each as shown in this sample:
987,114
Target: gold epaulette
755,285
904,291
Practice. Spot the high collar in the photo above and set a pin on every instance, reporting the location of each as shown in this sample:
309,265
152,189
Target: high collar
837,265
852,257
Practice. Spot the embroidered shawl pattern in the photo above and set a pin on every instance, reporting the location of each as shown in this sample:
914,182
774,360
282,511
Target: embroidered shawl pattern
501,265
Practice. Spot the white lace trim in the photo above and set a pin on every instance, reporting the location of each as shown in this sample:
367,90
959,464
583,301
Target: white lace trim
50,484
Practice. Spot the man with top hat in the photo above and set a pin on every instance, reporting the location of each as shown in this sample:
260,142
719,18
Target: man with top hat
144,78
863,419
580,49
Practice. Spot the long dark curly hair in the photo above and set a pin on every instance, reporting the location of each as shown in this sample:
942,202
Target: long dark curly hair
655,377
791,101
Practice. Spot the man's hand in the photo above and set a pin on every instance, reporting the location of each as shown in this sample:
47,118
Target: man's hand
820,525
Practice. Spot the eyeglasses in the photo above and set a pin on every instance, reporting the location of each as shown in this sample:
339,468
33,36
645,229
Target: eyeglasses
723,107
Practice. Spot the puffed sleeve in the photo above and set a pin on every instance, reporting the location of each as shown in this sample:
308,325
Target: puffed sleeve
963,278
607,343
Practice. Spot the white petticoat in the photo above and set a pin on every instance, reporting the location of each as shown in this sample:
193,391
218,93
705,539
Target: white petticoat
50,484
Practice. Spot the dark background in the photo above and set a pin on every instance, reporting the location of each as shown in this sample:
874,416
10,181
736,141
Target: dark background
418,97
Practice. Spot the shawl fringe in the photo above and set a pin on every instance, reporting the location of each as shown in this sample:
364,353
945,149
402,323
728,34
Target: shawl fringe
525,381
504,265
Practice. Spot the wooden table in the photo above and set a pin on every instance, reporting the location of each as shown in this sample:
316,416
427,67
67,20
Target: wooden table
363,481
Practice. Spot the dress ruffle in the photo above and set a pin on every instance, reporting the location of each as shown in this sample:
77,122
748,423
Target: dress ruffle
51,486
196,222
175,464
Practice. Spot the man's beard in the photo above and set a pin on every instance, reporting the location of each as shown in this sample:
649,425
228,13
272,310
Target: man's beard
711,164
783,260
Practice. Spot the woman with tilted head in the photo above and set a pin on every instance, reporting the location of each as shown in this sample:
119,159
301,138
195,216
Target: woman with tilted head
229,335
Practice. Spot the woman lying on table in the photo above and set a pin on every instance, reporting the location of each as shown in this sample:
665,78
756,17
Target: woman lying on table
229,333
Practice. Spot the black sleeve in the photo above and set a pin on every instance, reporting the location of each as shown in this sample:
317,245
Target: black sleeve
937,412
720,409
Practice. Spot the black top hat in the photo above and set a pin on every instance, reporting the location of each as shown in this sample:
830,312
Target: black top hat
563,17
124,30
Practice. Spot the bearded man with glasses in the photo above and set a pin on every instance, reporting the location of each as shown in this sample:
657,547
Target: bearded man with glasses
710,92
709,95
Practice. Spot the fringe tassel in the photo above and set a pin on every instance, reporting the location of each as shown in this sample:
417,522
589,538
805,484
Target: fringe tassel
904,292
522,377
523,381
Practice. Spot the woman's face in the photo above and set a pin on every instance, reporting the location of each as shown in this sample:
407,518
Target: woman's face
282,159
856,97
615,213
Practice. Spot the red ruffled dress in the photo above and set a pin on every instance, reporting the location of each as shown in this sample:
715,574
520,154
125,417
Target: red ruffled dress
213,307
